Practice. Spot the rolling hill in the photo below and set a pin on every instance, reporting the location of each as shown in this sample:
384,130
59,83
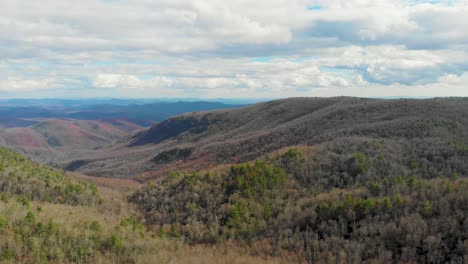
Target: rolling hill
339,180
48,216
52,140
22,113
204,139
303,180
354,203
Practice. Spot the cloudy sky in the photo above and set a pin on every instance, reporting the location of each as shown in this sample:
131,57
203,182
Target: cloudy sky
238,48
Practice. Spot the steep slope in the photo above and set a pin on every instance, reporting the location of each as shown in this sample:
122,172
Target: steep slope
46,216
54,139
21,176
351,201
202,139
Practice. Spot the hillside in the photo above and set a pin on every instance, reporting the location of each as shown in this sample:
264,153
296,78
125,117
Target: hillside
22,113
53,140
346,203
203,139
302,180
339,180
47,216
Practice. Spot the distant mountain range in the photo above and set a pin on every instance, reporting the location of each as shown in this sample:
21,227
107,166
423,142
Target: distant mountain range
198,140
56,139
52,131
83,103
26,113
305,180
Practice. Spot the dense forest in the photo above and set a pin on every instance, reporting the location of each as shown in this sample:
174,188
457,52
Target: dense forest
46,216
350,201
195,141
336,180
31,231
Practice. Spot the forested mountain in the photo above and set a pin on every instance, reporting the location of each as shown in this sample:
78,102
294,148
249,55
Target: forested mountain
198,140
57,131
304,180
46,216
21,114
55,140
351,201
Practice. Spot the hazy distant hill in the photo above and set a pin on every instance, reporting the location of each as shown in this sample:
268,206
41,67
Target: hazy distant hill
53,140
54,131
208,138
15,114
149,112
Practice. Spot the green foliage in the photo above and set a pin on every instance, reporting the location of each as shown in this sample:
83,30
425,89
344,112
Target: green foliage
365,207
115,242
245,199
267,211
449,188
4,197
30,217
293,154
95,226
250,188
6,254
30,239
20,176
257,179
175,231
190,179
291,161
3,222
27,238
374,187
353,201
24,201
427,208
173,174
133,223
387,203
398,199
361,163
237,212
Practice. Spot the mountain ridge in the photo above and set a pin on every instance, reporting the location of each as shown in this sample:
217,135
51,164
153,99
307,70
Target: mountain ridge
246,133
51,140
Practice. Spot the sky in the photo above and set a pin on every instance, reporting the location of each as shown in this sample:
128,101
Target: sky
233,49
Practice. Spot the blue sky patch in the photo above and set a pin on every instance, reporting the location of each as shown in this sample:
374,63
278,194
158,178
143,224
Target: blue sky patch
314,7
262,59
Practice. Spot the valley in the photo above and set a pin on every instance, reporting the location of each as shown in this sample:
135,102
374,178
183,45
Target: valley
53,140
298,180
234,132
56,132
48,216
204,139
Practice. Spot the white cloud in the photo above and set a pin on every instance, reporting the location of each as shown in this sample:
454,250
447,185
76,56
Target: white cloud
125,81
206,47
15,84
